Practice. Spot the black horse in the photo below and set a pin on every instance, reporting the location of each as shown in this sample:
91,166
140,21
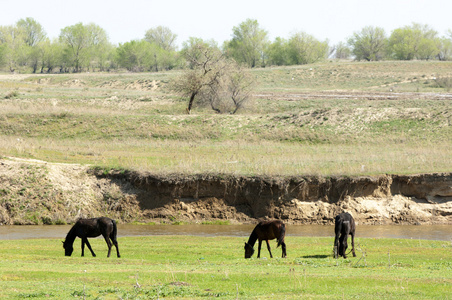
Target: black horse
266,230
85,228
344,225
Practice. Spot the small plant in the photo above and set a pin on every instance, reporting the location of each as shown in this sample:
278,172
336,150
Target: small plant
11,95
216,222
444,82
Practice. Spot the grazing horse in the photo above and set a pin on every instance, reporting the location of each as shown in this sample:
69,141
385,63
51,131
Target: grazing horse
266,230
85,228
344,225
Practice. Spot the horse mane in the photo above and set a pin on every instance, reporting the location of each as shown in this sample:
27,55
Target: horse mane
253,238
71,235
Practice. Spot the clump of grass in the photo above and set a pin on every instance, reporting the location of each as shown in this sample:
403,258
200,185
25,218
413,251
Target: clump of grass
444,82
11,95
216,222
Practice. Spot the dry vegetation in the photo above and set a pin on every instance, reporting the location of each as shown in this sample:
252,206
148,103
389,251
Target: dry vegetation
344,118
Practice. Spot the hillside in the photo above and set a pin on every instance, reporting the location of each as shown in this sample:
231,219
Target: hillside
330,120
322,119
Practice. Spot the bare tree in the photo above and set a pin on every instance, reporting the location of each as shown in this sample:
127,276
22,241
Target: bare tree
206,64
239,86
212,79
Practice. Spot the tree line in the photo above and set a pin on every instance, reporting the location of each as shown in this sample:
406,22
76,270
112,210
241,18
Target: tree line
26,47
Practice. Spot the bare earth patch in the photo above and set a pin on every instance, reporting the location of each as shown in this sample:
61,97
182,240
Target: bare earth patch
36,192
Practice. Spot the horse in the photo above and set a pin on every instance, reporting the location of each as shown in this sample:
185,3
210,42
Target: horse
87,228
266,230
344,225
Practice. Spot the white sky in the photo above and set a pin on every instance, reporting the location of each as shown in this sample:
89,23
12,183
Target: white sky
125,20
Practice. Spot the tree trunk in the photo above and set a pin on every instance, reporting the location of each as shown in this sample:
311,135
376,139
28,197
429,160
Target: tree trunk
190,102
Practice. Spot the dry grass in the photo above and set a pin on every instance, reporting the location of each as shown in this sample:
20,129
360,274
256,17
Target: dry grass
294,127
240,157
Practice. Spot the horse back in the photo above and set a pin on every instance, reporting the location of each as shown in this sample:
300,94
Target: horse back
269,230
95,227
344,223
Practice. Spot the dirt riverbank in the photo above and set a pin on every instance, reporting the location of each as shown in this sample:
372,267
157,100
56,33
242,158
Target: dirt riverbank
38,192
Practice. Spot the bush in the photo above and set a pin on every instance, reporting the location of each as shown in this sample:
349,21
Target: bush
444,82
11,94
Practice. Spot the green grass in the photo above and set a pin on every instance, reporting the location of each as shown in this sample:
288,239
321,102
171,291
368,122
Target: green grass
187,267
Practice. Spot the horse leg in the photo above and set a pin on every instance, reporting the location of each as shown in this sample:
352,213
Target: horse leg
337,240
89,247
283,246
107,240
345,245
259,249
340,247
269,250
353,244
115,242
83,247
336,246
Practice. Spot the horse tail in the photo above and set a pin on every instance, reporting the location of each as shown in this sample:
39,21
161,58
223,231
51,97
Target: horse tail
281,235
115,230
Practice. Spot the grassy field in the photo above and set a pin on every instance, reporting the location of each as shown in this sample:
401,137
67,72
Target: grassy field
333,118
188,267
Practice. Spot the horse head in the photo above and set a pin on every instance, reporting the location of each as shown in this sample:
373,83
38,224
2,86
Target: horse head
68,248
249,250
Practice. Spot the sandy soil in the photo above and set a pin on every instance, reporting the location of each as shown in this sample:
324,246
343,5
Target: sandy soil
36,192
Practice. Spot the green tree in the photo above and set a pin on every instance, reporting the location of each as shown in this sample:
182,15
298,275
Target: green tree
82,43
163,47
428,41
305,49
33,31
51,55
342,51
445,49
13,46
33,35
100,48
369,44
136,55
248,43
402,44
277,52
163,37
416,41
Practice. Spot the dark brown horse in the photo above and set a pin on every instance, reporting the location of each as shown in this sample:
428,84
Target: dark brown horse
266,230
87,228
344,225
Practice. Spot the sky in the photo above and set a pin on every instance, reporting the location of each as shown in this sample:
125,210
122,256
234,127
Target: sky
332,20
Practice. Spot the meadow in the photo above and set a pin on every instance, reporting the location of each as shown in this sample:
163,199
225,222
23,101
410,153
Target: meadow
331,118
193,267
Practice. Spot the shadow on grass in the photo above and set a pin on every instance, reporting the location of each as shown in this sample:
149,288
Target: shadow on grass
315,256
